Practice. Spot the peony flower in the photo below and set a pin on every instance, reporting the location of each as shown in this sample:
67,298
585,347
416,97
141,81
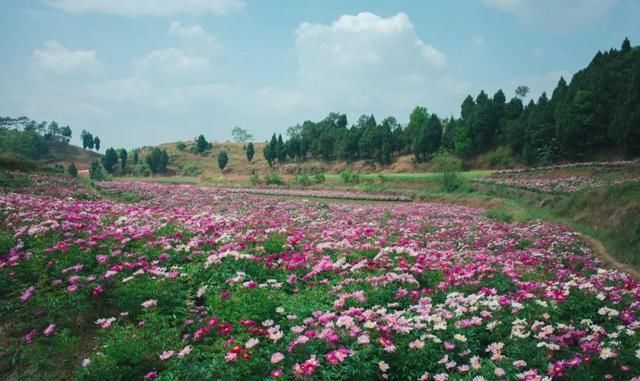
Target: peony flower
383,366
184,351
252,342
149,303
49,330
26,294
277,357
151,375
166,355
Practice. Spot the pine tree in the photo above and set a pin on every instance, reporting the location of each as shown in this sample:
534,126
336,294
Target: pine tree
223,159
250,151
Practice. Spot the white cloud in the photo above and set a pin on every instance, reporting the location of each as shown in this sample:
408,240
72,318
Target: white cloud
60,60
365,44
148,7
365,63
194,38
554,14
171,61
477,41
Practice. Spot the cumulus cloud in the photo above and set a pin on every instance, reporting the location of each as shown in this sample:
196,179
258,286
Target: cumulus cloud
171,61
365,44
367,63
58,59
194,37
554,14
148,7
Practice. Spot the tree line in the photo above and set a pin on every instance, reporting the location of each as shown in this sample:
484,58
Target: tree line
599,111
31,139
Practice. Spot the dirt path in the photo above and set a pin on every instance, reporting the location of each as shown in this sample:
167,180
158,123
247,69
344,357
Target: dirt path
601,252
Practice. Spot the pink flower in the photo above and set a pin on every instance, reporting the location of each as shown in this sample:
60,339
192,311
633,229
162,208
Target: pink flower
166,355
29,336
277,373
49,330
26,294
277,357
184,351
72,288
151,375
149,303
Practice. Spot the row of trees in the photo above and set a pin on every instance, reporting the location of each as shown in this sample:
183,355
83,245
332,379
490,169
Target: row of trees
31,139
89,141
598,112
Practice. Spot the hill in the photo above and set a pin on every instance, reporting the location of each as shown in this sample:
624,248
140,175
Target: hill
185,163
64,154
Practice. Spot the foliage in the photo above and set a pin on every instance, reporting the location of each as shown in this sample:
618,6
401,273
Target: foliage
181,146
250,151
349,177
157,160
72,170
240,135
223,159
110,159
95,172
273,179
202,145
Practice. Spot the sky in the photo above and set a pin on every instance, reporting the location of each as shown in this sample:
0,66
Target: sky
144,72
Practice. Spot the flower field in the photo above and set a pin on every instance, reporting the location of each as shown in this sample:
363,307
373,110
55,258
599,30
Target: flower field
177,282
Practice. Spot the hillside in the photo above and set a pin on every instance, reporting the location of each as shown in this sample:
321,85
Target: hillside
186,163
61,153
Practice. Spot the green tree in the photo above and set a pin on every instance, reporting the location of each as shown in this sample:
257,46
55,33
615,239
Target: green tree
522,91
250,151
281,150
96,143
110,159
240,135
72,170
201,144
95,172
223,159
136,157
123,159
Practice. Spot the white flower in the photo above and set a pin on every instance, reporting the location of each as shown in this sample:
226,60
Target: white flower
460,338
252,342
383,366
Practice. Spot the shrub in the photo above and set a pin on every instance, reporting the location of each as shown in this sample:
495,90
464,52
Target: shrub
273,178
319,178
254,179
501,157
95,172
350,178
17,162
191,169
449,166
303,180
181,146
72,170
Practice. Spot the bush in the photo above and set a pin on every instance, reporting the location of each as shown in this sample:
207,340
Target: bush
141,170
273,178
191,169
319,178
449,166
95,172
17,162
181,146
254,179
303,180
501,157
350,178
72,170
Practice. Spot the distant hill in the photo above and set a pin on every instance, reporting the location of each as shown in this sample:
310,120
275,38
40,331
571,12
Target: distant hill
186,163
62,153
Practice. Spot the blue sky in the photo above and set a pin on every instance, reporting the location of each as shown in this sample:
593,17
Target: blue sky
142,72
